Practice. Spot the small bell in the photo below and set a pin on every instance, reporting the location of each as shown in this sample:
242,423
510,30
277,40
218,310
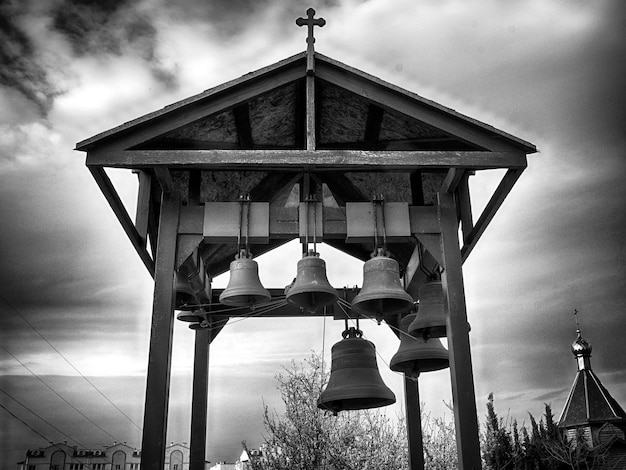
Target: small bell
311,289
431,317
185,297
192,316
244,287
355,383
382,293
418,354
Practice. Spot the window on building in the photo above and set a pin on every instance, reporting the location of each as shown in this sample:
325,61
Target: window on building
31,467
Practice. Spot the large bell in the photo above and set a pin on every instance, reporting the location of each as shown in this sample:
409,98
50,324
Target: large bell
311,289
355,383
244,287
185,298
418,354
192,316
431,316
382,293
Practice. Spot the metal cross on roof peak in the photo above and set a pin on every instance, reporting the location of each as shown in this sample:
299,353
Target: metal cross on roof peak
576,319
310,22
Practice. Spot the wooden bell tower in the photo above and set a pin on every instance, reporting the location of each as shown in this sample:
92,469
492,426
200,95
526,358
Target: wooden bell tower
306,128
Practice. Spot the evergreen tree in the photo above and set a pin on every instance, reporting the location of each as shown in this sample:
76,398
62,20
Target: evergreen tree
497,447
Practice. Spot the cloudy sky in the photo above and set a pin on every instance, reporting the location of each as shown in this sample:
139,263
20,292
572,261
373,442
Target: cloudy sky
75,300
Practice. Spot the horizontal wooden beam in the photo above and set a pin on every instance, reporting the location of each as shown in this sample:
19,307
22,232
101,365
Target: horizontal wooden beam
306,160
284,223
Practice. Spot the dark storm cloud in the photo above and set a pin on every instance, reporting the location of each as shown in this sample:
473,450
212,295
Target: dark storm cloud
110,28
89,25
19,65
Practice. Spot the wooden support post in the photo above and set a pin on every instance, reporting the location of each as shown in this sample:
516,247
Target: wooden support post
199,399
160,355
143,204
463,394
310,112
465,208
413,424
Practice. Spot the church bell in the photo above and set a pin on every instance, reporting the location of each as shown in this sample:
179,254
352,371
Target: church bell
244,287
431,316
192,316
418,354
185,297
311,289
382,293
355,383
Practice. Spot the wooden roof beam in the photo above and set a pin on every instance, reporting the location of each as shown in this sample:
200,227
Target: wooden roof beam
306,160
242,121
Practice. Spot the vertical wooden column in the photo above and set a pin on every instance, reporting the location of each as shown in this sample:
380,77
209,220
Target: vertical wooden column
414,424
463,395
310,111
160,356
199,399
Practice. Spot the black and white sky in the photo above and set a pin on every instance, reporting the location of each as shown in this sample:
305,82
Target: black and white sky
75,299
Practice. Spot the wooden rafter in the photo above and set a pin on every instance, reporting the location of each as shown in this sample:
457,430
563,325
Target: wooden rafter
244,131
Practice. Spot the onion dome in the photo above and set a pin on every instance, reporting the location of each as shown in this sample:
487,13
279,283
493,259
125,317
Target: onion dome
580,347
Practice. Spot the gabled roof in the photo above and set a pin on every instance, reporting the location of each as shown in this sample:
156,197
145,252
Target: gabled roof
351,131
273,117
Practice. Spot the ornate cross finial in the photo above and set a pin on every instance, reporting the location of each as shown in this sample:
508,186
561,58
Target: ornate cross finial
310,22
576,319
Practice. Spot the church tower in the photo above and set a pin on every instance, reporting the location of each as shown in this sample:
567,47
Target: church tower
591,410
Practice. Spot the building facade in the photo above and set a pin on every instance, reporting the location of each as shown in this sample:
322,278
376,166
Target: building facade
118,456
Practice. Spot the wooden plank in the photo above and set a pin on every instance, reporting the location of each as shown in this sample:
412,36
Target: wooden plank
503,189
310,112
360,218
160,350
307,160
284,222
224,222
143,204
108,190
461,374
